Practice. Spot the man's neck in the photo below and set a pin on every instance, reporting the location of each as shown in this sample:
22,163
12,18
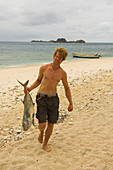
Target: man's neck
55,66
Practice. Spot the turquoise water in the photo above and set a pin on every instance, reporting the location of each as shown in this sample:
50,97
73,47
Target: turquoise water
13,54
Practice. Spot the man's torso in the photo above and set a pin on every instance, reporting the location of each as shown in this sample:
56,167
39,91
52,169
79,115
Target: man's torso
50,79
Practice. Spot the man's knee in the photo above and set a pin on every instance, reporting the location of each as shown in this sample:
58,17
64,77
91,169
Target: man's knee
50,125
42,126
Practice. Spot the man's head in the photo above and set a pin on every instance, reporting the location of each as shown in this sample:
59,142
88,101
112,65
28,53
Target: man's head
61,51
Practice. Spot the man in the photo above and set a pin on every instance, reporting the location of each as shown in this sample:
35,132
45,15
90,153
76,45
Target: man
47,98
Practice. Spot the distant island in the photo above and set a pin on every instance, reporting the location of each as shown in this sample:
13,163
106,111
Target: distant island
60,40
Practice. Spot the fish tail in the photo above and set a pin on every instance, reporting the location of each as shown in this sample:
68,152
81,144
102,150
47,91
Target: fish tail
25,84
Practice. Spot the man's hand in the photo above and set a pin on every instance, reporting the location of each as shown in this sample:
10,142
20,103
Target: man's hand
70,107
25,90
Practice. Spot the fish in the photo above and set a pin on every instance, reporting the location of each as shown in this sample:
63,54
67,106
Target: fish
28,116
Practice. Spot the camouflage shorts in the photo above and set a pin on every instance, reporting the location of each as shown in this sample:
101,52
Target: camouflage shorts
47,108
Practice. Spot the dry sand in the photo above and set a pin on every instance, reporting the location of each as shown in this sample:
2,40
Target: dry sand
81,140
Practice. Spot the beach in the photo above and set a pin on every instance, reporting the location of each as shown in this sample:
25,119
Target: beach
81,140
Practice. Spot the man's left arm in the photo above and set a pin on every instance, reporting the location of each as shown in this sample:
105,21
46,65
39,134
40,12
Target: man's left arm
67,91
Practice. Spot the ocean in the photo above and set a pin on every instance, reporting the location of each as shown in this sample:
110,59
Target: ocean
15,54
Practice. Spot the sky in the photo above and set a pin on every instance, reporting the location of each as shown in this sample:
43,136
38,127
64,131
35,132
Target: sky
26,20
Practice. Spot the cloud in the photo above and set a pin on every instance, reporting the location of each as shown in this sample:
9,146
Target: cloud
48,19
106,27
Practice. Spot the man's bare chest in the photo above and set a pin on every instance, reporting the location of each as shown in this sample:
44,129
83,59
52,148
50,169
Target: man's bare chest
52,75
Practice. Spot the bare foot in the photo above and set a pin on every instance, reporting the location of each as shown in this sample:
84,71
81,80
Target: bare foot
40,138
46,148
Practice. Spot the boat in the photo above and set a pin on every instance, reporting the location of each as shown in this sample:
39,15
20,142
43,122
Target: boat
86,56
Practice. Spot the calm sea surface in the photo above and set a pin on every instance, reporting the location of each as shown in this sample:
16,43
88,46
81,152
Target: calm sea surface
14,54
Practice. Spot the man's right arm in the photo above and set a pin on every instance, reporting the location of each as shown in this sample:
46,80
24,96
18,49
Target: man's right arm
67,91
37,82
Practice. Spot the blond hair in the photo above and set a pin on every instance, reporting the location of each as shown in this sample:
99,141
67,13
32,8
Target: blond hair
62,52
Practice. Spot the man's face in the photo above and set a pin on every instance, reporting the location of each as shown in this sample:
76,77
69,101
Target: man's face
58,58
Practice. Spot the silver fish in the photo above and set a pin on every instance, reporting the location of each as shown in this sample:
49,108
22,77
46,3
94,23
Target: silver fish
28,117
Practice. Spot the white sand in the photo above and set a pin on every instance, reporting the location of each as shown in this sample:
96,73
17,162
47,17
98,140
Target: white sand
84,141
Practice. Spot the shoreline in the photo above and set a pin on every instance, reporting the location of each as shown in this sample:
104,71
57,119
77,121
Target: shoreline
82,139
31,65
20,66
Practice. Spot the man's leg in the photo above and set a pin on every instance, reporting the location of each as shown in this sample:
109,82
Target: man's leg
41,128
47,136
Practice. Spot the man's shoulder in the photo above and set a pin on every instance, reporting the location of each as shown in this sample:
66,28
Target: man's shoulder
63,71
45,66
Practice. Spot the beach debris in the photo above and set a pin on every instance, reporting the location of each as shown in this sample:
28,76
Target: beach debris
62,116
17,99
57,132
18,118
71,119
85,151
19,131
28,117
70,123
8,135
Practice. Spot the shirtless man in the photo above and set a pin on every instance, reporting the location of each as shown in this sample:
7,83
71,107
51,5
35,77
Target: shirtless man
47,98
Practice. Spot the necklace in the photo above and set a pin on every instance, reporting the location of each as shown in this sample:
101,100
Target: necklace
54,68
